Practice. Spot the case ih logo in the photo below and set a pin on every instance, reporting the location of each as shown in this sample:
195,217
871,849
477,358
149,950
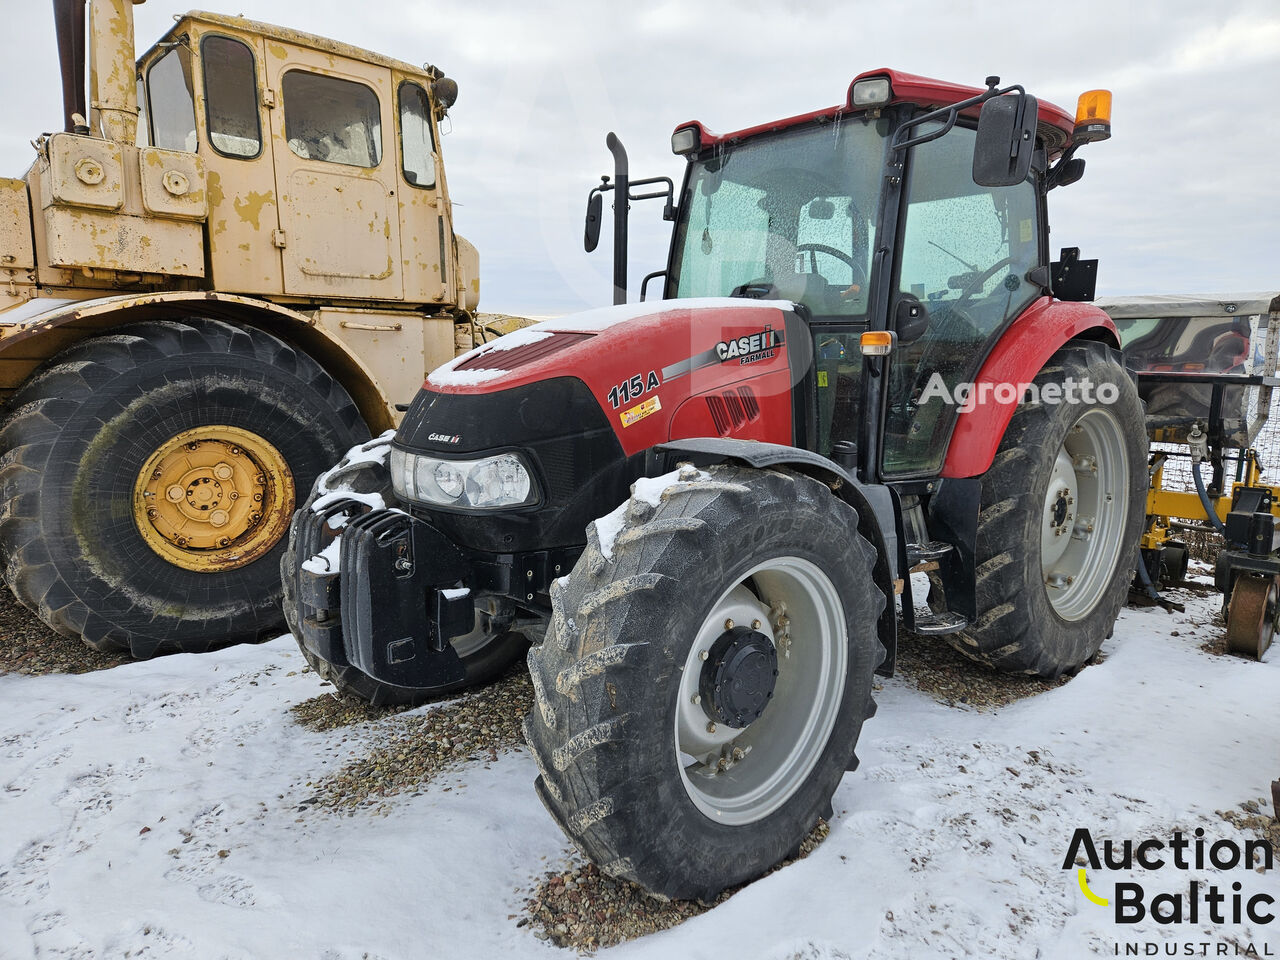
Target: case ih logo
445,437
749,349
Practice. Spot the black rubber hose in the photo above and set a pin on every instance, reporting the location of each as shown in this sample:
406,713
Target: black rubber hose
1209,509
1145,577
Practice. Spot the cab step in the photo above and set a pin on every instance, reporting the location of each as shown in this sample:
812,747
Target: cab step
918,553
937,624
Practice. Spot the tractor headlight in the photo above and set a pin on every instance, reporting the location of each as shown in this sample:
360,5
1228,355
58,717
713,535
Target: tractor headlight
485,484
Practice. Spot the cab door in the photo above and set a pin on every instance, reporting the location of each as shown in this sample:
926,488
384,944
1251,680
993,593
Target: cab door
336,175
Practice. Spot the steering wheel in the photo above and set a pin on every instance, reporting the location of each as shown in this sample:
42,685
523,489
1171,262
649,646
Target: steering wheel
978,282
859,274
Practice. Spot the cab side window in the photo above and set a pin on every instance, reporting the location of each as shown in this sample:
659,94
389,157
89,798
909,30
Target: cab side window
231,97
172,108
330,119
417,139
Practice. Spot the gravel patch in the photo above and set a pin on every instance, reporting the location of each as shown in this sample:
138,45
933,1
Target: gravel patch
583,909
329,711
411,749
1255,816
28,647
933,667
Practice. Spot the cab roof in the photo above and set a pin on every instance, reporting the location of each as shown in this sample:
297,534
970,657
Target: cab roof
1055,124
298,38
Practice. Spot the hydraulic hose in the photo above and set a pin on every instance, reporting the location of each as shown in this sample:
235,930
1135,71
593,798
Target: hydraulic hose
1210,510
1145,577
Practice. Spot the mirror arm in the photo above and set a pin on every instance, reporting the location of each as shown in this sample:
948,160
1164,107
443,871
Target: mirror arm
1055,172
951,113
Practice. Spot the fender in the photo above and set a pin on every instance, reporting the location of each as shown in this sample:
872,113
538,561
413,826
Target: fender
878,519
1022,350
26,340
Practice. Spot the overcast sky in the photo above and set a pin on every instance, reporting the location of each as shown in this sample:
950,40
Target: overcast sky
1183,198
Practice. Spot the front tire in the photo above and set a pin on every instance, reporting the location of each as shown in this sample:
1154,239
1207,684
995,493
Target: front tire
148,477
1061,513
683,797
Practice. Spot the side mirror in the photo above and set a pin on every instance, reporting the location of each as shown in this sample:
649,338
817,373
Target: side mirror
910,319
1006,140
595,209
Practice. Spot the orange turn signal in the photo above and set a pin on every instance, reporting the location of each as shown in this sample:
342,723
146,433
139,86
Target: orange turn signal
876,343
1093,116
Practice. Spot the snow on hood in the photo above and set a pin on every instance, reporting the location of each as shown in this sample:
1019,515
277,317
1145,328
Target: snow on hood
589,321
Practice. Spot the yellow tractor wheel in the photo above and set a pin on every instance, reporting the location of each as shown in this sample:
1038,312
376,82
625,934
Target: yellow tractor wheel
214,498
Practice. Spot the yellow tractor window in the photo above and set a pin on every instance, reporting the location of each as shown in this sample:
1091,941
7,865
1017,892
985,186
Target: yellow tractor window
173,112
417,141
337,121
231,97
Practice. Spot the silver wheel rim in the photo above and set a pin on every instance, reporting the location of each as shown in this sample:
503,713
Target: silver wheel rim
1082,526
739,776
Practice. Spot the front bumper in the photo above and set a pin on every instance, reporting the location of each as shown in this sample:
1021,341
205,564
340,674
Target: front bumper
395,602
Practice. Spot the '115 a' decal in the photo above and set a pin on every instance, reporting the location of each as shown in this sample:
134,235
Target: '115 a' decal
637,386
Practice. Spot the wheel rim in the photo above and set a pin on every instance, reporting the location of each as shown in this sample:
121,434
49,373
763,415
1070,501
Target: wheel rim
1082,527
738,776
213,498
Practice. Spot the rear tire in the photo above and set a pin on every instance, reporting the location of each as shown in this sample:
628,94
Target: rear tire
627,759
1022,524
81,434
484,657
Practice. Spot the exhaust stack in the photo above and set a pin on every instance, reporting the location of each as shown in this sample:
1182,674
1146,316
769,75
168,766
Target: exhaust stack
112,76
68,18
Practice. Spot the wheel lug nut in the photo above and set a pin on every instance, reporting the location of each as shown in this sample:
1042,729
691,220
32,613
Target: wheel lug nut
728,624
755,624
704,655
697,699
711,726
738,753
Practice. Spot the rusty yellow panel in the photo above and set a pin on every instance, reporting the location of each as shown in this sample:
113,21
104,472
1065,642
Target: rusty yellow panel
420,245
468,274
112,241
16,249
397,348
173,184
83,172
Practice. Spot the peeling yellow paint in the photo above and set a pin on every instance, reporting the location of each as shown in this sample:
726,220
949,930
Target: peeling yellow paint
250,207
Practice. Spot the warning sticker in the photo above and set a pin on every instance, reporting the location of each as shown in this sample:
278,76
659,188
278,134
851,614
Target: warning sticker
640,411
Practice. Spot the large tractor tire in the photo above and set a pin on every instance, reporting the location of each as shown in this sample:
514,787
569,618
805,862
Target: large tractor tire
148,480
705,677
1061,515
486,652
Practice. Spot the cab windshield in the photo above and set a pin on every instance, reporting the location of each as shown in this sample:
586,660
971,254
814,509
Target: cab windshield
790,216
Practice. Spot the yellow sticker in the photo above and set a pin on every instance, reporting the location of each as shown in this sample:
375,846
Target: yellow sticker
1024,230
822,378
640,411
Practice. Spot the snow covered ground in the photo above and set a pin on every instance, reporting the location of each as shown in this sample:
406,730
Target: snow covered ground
152,810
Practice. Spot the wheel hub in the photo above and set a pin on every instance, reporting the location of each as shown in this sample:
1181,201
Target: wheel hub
213,498
737,679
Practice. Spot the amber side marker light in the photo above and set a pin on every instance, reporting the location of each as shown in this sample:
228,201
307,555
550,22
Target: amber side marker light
1093,116
876,343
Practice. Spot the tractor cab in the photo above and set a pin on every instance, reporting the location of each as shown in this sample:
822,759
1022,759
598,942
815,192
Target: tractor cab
871,217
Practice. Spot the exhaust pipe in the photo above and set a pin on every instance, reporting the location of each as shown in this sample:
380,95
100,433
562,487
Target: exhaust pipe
113,82
68,21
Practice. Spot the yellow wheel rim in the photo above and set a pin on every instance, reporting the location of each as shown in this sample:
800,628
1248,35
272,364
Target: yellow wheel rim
213,498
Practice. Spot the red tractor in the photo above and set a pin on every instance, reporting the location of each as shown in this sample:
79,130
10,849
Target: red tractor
703,508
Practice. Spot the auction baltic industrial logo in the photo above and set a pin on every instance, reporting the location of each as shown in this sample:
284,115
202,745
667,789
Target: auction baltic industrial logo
1202,902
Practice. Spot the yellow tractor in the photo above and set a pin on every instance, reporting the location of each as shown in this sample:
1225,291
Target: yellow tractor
235,262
